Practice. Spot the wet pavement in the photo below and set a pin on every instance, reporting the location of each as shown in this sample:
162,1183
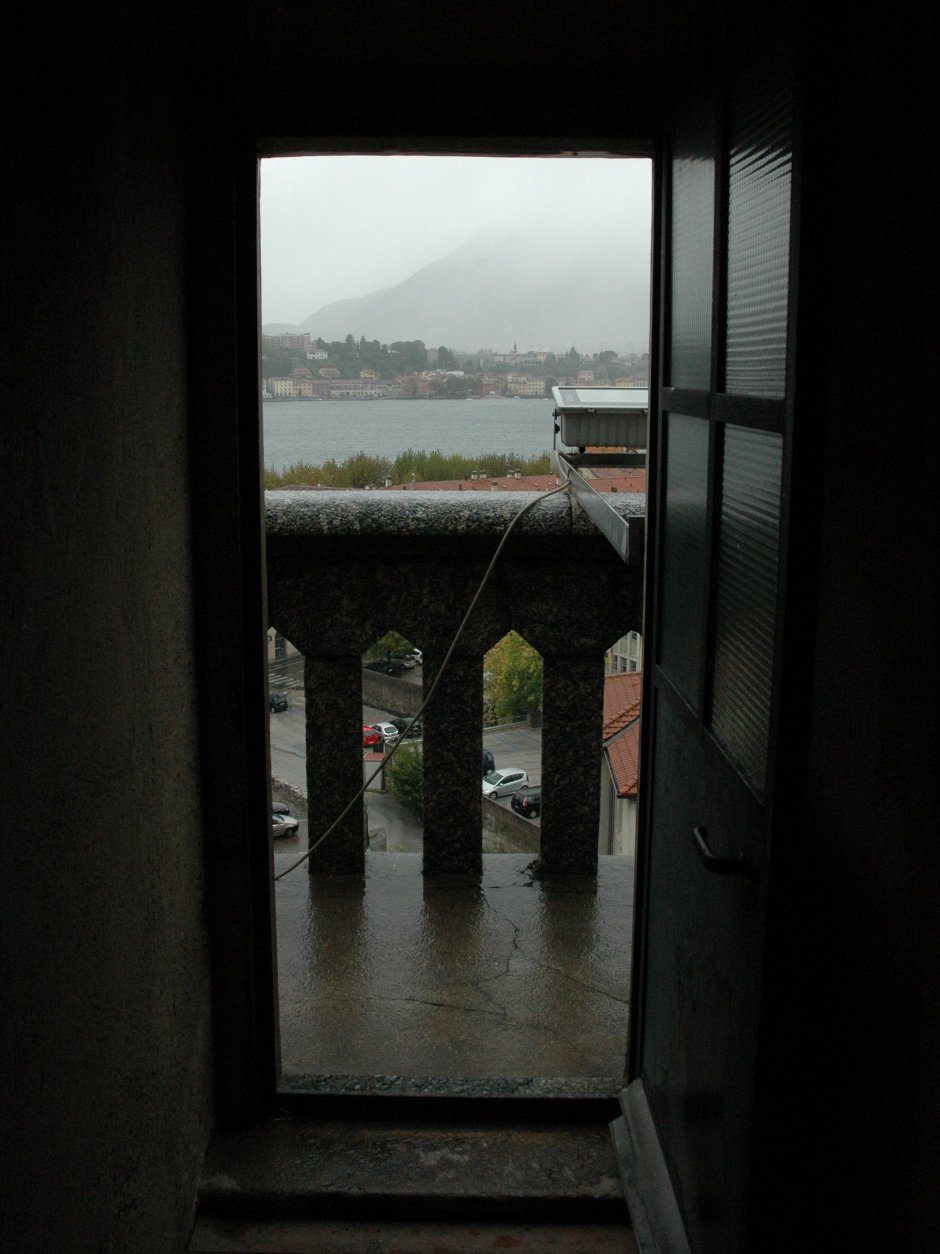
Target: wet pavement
399,975
395,974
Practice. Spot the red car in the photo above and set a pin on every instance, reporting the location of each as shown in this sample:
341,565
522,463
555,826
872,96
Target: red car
370,737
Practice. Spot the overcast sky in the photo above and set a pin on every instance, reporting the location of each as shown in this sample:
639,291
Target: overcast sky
339,227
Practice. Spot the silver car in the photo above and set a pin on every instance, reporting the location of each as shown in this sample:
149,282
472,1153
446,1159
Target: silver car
504,781
284,824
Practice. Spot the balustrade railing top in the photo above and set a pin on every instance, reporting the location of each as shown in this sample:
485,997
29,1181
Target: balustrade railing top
292,514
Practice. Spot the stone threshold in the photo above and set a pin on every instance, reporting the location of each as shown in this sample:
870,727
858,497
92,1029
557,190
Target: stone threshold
398,1172
306,1236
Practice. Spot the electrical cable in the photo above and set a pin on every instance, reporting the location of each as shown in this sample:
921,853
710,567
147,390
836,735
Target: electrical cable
437,678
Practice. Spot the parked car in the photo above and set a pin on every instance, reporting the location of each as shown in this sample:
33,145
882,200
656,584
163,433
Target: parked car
390,665
406,660
504,781
417,655
280,807
370,736
415,733
277,702
527,801
284,824
388,731
489,762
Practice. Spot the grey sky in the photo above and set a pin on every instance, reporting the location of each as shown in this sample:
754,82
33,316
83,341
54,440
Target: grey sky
340,227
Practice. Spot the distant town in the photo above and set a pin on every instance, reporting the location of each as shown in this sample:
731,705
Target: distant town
302,367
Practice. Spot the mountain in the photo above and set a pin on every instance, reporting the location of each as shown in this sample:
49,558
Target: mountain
548,284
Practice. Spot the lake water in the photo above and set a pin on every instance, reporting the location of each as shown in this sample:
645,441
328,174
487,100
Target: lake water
314,431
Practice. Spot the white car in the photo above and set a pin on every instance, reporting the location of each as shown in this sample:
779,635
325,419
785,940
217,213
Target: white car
388,731
504,781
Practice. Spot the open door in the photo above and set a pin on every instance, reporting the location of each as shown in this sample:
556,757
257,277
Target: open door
717,527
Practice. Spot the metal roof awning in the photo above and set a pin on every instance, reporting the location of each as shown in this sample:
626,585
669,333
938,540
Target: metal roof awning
601,417
613,423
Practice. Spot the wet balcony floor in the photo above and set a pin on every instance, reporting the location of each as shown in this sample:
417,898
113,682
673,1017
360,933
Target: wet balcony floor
509,978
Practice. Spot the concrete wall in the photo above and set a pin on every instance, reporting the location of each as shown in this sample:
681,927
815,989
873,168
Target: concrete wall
105,975
505,831
617,831
385,692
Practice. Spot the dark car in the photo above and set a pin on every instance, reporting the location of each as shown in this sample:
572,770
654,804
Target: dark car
489,762
528,801
416,732
277,702
386,666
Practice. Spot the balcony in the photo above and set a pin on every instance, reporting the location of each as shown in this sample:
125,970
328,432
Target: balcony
451,969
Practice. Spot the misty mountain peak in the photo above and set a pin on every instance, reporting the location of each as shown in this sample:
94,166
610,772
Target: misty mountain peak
543,282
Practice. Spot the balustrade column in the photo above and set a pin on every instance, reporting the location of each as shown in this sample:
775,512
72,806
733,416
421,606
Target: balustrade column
573,724
453,748
333,690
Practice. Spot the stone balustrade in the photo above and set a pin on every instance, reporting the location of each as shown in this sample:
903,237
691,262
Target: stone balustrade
343,568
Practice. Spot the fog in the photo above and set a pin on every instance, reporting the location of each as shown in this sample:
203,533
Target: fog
335,228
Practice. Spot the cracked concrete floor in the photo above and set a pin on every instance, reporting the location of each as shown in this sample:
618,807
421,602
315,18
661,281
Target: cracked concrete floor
391,974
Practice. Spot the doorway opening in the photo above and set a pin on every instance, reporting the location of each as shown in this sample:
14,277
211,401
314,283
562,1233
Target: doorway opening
512,975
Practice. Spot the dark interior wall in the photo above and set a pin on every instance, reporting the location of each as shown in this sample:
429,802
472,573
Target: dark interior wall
106,1003
105,972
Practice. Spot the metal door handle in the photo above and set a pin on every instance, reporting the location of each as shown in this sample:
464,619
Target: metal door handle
737,864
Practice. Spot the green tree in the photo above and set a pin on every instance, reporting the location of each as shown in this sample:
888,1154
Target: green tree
360,469
515,689
392,643
404,776
409,354
429,467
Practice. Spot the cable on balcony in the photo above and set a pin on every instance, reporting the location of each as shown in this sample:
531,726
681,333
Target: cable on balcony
447,656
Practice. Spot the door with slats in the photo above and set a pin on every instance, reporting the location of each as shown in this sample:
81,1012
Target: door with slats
718,526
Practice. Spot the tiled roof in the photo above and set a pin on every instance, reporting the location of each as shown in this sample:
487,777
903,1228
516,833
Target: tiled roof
527,483
602,479
622,729
621,701
623,754
615,478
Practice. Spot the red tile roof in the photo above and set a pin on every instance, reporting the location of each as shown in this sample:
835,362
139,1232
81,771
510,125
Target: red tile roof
602,479
527,483
623,754
615,479
621,701
622,729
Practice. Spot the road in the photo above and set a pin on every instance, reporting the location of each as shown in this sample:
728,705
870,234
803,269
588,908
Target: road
391,825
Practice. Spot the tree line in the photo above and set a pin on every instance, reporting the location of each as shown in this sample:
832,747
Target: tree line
412,466
407,357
